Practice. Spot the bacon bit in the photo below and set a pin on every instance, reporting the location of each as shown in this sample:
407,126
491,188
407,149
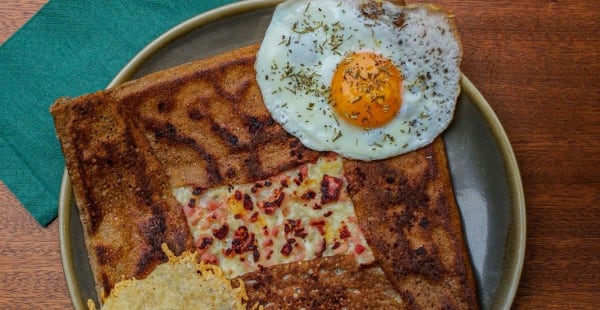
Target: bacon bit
330,189
198,190
213,205
269,255
237,216
317,207
242,240
319,225
296,227
319,254
221,232
314,222
336,245
291,225
190,214
209,258
270,206
328,213
300,233
266,231
255,255
206,242
238,195
253,217
287,248
359,249
269,210
248,205
284,183
341,248
192,202
344,232
309,195
268,243
303,172
256,187
227,252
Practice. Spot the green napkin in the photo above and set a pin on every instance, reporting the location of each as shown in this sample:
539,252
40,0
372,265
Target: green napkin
68,48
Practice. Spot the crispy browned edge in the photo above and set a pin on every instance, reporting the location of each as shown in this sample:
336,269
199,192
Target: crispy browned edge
324,283
406,207
159,133
120,192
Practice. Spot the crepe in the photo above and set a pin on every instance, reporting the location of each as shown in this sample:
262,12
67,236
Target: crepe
203,124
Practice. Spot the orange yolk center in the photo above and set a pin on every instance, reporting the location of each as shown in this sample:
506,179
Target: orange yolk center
366,90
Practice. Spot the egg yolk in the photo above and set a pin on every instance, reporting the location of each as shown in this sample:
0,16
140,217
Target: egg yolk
366,90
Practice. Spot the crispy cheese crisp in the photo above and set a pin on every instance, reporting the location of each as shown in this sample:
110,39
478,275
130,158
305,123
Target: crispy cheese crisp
180,283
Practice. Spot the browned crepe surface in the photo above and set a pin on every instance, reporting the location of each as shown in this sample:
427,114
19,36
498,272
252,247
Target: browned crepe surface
207,124
326,283
406,208
120,190
204,124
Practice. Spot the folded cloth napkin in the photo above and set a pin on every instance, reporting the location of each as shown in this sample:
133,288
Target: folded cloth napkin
68,48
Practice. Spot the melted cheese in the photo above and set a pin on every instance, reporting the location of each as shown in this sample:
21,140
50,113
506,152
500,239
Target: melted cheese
180,283
298,215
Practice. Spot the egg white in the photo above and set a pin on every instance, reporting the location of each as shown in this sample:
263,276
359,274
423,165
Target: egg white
307,39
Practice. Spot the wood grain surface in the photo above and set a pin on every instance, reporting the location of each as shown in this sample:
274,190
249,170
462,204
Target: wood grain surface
538,65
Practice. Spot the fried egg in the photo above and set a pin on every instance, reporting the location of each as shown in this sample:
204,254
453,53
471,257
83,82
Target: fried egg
365,79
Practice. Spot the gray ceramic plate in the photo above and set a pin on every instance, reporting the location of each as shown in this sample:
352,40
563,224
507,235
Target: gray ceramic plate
483,167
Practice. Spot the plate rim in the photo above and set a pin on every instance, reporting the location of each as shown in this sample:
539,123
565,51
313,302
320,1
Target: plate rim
517,228
516,239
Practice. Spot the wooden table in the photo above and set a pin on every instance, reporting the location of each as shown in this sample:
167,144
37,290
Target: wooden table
538,65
